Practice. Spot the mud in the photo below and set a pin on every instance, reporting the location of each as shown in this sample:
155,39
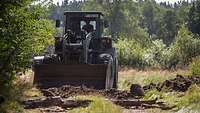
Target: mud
59,105
70,91
54,100
54,104
142,104
179,83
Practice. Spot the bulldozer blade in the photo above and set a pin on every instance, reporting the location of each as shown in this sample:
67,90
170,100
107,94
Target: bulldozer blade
56,75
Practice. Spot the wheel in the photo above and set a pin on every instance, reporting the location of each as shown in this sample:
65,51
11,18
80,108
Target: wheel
115,73
109,75
109,71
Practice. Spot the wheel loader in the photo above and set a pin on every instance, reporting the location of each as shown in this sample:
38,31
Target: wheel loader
81,57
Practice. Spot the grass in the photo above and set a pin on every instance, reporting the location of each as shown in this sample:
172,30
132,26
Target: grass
188,101
144,77
98,105
191,99
13,95
169,98
185,102
194,66
157,110
32,93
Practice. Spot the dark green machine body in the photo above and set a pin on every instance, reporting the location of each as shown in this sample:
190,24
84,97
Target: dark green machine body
79,58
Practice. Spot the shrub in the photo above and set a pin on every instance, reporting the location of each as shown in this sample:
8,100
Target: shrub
134,52
130,52
24,31
186,46
195,66
157,55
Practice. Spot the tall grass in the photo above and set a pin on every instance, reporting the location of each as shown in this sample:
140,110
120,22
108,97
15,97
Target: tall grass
98,105
143,77
191,99
195,66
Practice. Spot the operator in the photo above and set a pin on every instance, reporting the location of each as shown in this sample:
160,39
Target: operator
88,27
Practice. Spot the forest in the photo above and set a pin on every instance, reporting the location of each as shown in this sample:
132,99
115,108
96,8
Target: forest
146,34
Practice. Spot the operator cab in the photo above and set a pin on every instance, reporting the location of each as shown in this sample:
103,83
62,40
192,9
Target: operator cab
76,21
83,36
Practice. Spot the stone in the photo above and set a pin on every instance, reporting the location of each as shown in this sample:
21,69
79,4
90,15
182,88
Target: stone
137,90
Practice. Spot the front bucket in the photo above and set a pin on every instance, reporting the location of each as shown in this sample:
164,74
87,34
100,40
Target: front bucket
56,75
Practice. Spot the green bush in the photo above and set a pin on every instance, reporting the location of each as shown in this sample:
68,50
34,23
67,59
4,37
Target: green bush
186,46
158,54
24,31
130,52
195,66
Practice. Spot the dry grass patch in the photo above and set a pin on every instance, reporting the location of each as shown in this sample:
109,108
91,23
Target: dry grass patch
128,76
98,105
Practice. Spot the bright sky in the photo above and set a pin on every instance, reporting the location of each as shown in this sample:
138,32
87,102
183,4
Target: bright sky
171,1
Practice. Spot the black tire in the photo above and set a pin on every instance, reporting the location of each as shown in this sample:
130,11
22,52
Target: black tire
115,71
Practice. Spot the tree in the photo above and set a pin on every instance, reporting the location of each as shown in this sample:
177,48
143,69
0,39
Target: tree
194,18
122,15
24,31
169,27
149,21
186,46
182,12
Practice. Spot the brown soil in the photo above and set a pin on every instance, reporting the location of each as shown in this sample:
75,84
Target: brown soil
54,96
180,83
69,91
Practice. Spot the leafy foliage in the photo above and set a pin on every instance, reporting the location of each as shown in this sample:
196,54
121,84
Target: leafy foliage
158,54
186,46
24,31
169,27
130,52
195,66
142,23
194,18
